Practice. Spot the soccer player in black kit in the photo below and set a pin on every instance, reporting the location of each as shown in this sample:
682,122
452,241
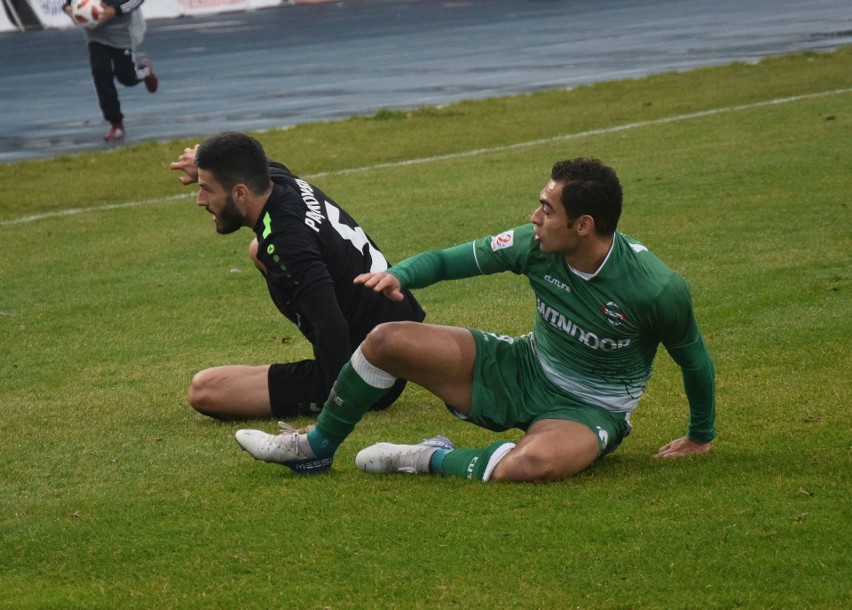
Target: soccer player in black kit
309,250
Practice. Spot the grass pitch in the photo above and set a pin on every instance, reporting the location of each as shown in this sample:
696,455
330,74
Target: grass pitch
114,290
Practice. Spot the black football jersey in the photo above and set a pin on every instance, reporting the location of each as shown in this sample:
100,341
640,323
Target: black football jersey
309,246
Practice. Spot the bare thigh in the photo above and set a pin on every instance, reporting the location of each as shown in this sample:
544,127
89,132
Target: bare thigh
439,358
232,392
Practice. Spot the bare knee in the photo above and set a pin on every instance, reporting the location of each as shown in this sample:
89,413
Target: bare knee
387,342
538,463
231,392
526,465
201,394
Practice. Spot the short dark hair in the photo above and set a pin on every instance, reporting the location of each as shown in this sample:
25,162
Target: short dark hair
235,158
590,187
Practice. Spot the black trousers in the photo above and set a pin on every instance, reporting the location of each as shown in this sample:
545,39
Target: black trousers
110,64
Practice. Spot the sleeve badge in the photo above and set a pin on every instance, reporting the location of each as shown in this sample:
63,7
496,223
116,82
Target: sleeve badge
504,240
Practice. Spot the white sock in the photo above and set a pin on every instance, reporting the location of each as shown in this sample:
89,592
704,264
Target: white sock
372,375
495,459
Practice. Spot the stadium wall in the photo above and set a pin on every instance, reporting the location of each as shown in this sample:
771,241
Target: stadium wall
40,14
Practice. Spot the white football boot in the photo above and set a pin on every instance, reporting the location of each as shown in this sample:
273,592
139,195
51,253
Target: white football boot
288,448
387,457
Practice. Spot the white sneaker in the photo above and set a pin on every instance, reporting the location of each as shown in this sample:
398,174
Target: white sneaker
387,457
289,448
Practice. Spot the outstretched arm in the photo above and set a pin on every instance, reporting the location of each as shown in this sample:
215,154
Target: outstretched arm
423,270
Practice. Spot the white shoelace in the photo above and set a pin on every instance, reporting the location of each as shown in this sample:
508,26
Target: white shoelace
287,428
295,439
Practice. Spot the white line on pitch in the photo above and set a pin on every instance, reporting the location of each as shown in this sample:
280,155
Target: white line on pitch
469,153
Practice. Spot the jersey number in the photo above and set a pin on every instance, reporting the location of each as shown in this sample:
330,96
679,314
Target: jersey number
357,238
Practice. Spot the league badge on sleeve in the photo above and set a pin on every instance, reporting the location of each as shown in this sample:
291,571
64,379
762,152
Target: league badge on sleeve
504,240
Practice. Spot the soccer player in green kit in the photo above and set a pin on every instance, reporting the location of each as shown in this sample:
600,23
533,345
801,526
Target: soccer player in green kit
604,303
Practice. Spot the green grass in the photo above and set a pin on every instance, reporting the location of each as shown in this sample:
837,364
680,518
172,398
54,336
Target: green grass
114,493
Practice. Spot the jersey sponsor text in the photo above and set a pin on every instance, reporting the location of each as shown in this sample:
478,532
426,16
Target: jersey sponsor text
557,282
558,320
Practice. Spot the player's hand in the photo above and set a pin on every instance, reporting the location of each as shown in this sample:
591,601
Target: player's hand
682,446
70,12
107,14
382,282
186,164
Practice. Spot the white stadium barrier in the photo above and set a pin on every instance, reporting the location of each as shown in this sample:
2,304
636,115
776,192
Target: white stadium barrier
10,20
6,24
50,14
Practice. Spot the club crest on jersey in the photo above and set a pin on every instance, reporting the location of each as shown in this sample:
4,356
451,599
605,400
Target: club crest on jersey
504,240
613,314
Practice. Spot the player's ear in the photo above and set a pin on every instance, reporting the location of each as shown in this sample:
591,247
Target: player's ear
585,224
240,193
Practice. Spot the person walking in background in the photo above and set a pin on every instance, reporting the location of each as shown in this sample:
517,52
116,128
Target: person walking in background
112,47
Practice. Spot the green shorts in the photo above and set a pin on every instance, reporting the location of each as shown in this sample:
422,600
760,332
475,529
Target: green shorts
511,391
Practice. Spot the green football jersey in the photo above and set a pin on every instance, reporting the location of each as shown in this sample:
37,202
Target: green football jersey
595,336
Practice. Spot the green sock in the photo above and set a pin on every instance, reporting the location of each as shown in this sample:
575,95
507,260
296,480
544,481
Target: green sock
320,445
437,460
350,398
471,463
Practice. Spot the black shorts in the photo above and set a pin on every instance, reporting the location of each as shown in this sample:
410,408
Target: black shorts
297,389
